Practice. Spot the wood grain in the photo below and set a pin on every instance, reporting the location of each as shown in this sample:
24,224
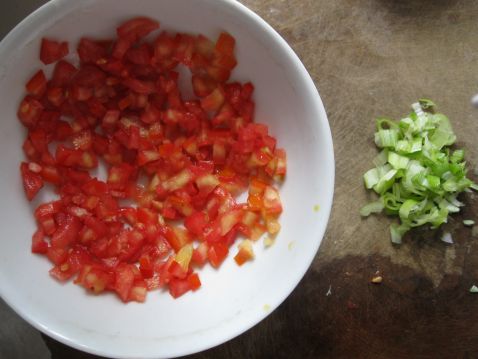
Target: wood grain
373,58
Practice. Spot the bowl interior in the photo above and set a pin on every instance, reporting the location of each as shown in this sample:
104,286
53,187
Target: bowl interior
231,299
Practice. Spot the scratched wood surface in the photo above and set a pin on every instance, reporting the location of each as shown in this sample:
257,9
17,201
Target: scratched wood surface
368,58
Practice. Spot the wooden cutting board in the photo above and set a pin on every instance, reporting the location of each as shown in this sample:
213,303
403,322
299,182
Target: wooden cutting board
373,58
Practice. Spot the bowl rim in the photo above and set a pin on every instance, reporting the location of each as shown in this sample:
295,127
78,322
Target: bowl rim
34,21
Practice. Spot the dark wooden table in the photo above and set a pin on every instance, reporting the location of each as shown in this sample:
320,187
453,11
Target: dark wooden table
368,58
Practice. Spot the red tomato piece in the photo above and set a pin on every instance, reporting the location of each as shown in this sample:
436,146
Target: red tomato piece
36,86
214,100
178,287
91,51
124,279
200,254
30,111
137,28
141,87
225,44
140,55
63,74
194,281
39,245
57,255
32,182
196,223
217,253
51,51
67,233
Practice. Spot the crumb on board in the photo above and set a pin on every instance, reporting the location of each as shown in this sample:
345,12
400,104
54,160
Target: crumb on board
351,305
329,291
377,279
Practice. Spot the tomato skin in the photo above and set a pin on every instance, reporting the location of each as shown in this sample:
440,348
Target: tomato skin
52,51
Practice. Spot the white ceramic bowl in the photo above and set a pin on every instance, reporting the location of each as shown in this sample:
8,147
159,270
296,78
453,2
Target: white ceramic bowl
231,299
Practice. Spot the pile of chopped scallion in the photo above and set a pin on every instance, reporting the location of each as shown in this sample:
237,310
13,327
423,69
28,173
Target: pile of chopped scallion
417,176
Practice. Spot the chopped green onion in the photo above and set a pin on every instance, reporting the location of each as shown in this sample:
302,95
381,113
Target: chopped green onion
416,175
385,182
372,207
397,161
468,222
397,232
371,178
381,159
386,138
426,104
447,238
474,289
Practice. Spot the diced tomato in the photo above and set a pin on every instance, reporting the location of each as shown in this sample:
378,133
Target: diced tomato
48,209
138,291
203,85
151,114
37,84
229,220
78,257
91,51
213,101
141,87
30,111
195,223
119,176
63,74
272,202
137,28
96,279
178,287
67,233
57,255
124,279
39,245
194,281
200,254
225,44
32,182
123,108
51,51
217,253
245,253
